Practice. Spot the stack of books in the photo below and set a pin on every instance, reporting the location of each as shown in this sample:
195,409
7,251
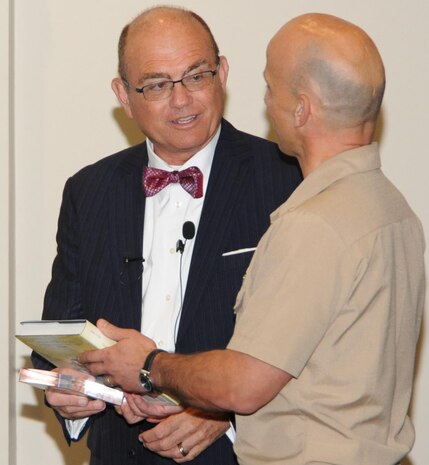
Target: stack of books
61,342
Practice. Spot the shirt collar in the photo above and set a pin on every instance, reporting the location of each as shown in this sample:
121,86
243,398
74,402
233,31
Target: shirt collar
202,159
359,160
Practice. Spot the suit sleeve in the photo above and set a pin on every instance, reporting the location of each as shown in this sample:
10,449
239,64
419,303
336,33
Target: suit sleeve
63,297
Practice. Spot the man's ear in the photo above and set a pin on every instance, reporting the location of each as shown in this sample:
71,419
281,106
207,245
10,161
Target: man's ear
302,110
223,71
121,93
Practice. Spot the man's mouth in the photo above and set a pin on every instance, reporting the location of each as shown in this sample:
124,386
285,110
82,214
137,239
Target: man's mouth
184,120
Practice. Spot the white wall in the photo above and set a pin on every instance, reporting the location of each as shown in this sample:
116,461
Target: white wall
66,117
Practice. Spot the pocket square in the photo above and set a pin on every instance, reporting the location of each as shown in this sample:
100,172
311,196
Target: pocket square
238,251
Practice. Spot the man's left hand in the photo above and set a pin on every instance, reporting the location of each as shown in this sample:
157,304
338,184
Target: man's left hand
191,431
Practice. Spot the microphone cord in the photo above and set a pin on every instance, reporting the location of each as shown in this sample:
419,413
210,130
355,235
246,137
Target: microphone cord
176,323
188,231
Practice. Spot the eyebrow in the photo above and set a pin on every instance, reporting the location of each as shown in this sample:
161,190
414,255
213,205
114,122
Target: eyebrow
194,66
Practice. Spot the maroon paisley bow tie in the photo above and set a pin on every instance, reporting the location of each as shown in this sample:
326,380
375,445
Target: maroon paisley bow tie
191,179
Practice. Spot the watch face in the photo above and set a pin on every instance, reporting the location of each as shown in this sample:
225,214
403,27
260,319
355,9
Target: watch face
145,381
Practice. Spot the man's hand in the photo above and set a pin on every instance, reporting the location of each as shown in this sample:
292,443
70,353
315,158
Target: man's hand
134,409
129,414
73,406
123,361
193,430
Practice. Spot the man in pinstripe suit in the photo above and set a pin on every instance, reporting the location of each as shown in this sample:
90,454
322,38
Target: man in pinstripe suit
117,257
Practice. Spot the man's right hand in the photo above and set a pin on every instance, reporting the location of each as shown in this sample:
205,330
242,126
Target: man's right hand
73,406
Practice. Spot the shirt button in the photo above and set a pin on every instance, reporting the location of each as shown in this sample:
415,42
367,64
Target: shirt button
160,343
168,297
172,250
178,204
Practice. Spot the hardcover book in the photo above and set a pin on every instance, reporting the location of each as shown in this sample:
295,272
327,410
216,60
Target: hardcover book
62,341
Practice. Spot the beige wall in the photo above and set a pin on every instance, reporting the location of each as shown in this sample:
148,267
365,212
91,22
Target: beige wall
65,116
7,419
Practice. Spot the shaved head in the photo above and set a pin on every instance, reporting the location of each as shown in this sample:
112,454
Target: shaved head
334,60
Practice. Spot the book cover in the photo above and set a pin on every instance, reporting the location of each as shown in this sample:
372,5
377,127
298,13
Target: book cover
62,341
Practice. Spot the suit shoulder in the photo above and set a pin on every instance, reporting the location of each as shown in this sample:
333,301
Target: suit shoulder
263,150
268,155
251,139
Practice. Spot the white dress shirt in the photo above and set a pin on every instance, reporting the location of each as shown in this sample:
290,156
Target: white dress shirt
165,271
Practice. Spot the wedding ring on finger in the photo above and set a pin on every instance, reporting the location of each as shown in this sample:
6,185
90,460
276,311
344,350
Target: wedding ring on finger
182,450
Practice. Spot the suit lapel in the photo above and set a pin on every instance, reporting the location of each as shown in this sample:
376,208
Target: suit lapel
226,184
126,214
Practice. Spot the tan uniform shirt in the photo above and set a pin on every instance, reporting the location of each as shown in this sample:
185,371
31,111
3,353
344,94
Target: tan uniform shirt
334,296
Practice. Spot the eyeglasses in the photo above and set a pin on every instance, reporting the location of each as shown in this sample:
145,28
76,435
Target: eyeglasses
163,89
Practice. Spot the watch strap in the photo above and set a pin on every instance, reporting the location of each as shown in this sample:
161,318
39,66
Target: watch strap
150,358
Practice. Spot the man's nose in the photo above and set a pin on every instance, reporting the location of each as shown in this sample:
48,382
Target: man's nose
180,95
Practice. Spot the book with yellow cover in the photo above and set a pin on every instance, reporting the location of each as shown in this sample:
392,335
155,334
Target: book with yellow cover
62,341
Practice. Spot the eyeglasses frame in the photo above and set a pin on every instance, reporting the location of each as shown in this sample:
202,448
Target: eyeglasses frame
140,90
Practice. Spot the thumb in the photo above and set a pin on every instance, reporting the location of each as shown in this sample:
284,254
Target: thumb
109,330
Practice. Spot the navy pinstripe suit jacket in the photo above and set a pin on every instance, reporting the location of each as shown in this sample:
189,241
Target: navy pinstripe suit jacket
101,222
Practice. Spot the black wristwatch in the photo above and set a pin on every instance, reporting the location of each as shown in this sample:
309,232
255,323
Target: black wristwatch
145,379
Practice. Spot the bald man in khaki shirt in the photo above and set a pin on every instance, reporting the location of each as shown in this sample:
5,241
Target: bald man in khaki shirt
320,366
340,311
